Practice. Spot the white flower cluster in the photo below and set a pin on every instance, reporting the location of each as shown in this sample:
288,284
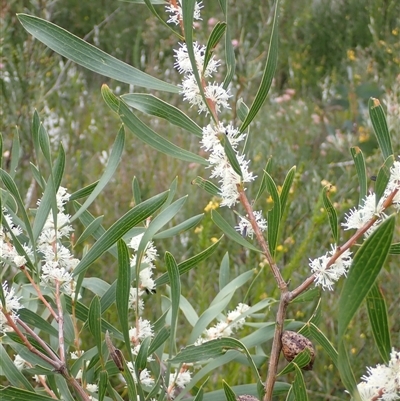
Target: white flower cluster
8,253
145,377
146,273
326,276
58,260
357,218
178,381
225,328
10,307
190,90
221,168
382,383
245,228
175,9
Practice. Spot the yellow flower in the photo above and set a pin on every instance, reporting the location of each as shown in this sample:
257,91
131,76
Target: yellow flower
351,55
198,229
212,205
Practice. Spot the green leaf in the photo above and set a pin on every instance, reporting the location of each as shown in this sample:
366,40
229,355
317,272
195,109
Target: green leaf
299,386
188,264
346,373
361,169
34,320
103,382
332,215
70,46
268,74
83,192
10,371
230,232
137,196
9,183
44,143
379,123
119,228
180,228
263,185
160,338
94,319
231,155
173,273
230,59
242,109
366,266
112,164
141,358
215,36
18,394
378,317
323,341
132,390
308,295
287,184
154,106
274,215
146,134
123,290
48,201
224,271
208,186
383,178
302,359
15,151
89,230
229,393
82,312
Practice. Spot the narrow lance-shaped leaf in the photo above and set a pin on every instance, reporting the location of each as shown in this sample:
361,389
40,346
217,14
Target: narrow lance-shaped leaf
383,178
274,215
361,169
70,46
173,273
379,123
188,264
230,232
15,150
112,164
231,155
154,106
332,215
287,184
123,290
346,373
95,321
119,228
268,74
207,185
146,134
229,393
366,266
215,36
263,185
378,317
299,386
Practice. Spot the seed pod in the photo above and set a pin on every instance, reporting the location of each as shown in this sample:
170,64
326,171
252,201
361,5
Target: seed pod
293,343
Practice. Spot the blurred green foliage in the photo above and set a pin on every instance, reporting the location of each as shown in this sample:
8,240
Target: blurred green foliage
333,56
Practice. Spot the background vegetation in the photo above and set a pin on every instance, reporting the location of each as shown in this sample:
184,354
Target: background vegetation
333,56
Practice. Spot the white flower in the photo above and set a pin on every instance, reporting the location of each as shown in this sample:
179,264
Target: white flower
93,388
234,316
382,382
181,378
20,362
357,218
11,306
142,330
176,12
144,376
134,296
326,276
218,95
245,228
394,184
222,169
